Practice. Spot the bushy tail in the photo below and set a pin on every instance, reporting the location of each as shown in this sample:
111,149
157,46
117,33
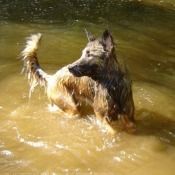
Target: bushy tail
32,68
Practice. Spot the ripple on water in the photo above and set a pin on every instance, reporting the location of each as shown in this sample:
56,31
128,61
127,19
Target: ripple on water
7,153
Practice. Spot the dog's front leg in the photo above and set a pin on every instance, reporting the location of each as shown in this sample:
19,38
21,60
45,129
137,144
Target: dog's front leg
129,125
104,121
101,105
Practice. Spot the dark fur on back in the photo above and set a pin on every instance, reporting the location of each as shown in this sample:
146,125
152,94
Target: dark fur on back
99,77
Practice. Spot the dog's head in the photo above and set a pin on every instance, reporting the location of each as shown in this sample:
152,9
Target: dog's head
95,56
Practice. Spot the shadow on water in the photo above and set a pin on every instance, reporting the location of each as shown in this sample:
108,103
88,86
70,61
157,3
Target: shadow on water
148,124
155,124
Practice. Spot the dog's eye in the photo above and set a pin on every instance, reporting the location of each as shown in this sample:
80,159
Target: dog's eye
88,53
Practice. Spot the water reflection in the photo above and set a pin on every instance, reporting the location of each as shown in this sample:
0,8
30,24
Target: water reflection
34,139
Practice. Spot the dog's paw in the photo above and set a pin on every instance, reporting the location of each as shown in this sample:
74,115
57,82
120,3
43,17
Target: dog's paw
130,127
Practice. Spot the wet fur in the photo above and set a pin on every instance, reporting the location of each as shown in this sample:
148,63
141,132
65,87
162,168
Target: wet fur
98,77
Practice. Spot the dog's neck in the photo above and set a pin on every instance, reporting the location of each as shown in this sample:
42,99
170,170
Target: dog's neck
116,81
111,76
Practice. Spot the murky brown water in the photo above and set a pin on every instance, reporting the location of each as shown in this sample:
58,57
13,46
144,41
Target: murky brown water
36,140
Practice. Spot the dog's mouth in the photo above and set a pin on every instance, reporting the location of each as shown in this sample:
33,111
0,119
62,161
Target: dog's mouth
75,70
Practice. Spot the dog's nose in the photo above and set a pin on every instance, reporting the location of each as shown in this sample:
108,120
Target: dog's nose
72,67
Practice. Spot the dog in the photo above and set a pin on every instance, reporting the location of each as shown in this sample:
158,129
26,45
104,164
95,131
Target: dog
98,77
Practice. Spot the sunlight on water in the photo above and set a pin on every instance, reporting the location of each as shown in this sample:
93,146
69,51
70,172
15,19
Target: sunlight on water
35,138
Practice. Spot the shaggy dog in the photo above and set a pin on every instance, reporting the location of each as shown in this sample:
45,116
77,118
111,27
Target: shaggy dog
99,77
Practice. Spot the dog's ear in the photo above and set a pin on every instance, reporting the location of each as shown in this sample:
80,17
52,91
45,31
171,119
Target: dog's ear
107,40
89,36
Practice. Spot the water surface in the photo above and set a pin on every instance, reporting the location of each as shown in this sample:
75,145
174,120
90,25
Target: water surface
36,140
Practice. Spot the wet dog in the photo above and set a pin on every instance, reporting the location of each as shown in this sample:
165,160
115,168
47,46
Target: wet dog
99,77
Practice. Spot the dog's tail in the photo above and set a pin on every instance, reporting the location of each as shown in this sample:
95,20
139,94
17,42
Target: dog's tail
32,68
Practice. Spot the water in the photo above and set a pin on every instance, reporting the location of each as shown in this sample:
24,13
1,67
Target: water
36,140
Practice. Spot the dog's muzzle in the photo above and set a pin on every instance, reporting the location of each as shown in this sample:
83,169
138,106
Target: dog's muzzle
74,69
